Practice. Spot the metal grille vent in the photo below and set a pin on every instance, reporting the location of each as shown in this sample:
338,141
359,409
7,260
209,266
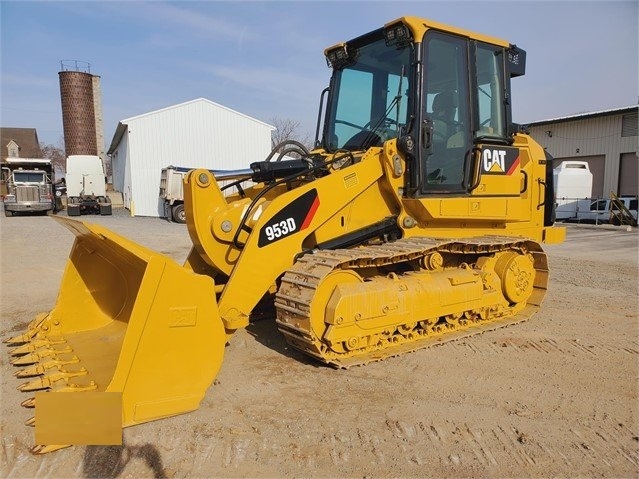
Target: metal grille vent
27,193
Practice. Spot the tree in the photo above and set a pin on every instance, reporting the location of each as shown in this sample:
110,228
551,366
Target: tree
287,129
55,153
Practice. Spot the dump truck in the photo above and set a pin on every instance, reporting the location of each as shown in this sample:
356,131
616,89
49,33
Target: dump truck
28,186
417,219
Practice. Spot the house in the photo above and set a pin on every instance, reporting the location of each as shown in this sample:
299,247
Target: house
606,140
19,143
198,133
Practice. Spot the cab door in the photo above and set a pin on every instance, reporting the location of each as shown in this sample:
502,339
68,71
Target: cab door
466,148
447,136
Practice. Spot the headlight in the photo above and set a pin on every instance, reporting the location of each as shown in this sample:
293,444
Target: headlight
397,34
339,56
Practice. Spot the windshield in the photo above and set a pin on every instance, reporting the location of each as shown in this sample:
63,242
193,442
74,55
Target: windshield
28,177
369,101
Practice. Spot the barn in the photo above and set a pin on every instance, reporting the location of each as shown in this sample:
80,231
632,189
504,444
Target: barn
198,133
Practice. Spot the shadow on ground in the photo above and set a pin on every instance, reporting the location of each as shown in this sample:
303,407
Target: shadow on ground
110,461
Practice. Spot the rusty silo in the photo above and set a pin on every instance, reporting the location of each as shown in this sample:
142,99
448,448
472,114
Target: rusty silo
81,109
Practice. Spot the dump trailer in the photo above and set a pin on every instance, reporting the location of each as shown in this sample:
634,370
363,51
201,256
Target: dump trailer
418,218
171,192
172,188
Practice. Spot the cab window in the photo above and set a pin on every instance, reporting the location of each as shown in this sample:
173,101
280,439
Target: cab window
489,65
445,95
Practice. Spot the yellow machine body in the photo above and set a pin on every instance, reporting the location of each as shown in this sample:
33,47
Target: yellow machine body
360,254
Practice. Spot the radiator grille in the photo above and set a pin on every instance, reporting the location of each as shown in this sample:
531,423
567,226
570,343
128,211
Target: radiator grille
27,193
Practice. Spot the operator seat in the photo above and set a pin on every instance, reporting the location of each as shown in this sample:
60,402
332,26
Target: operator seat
444,109
445,162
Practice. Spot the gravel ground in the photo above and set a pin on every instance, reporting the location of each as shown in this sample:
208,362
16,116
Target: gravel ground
554,396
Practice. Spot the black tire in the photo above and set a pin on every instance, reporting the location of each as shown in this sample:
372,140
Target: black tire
178,213
105,209
8,213
73,210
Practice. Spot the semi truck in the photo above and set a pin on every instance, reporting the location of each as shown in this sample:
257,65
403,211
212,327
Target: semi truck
86,186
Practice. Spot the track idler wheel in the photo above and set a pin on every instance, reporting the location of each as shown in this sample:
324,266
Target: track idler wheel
517,274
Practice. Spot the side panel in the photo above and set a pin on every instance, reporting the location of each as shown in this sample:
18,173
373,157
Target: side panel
502,203
500,169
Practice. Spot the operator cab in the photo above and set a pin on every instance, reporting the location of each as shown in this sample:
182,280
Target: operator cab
445,90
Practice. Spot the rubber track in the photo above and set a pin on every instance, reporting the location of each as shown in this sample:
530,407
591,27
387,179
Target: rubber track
299,284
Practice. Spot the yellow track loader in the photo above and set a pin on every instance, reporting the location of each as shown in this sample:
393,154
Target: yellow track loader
416,219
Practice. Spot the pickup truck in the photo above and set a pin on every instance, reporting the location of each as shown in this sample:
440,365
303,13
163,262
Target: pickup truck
607,211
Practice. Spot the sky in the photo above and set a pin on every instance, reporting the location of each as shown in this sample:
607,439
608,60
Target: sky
265,58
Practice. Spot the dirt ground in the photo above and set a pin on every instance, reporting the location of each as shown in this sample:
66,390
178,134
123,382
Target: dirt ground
555,396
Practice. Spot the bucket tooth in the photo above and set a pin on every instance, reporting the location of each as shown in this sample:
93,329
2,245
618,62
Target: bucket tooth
20,339
33,329
33,346
40,369
34,385
30,403
31,372
30,422
39,449
36,356
46,382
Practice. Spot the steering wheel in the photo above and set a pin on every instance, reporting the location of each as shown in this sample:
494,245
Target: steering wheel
353,125
386,122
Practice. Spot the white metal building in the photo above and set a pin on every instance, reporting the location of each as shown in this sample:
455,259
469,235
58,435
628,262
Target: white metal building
606,140
198,133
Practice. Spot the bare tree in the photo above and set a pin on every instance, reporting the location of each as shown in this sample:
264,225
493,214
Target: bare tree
287,129
55,153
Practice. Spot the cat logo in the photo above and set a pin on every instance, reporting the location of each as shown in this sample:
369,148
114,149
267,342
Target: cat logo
500,161
494,160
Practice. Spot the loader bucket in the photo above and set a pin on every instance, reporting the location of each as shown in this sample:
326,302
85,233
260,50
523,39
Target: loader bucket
128,322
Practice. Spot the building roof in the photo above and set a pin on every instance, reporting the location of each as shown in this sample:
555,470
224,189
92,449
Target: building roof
583,116
25,138
122,125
